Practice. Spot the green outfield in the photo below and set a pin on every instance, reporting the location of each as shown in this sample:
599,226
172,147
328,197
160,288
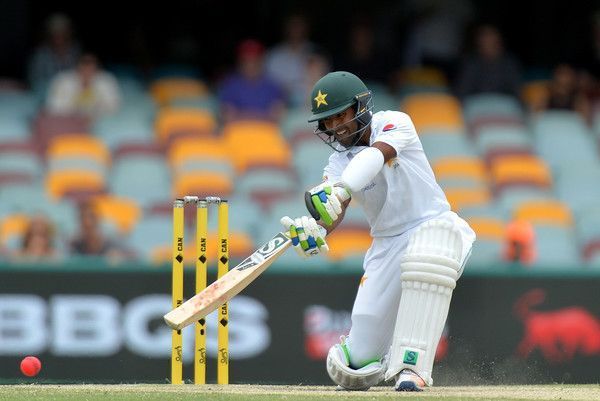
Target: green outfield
288,393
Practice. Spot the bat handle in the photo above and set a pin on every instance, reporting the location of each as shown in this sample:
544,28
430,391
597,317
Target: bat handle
309,205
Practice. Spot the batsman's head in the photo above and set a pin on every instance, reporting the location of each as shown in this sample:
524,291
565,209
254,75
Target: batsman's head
342,106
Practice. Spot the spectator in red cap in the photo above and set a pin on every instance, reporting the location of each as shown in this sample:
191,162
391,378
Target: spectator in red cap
248,92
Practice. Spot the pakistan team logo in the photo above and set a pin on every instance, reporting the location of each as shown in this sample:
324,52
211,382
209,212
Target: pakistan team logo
410,357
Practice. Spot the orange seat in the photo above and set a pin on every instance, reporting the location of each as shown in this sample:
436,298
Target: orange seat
462,197
545,212
434,111
165,90
535,93
345,242
256,143
519,169
202,183
186,149
240,247
59,183
182,121
487,227
78,146
12,225
423,76
123,213
468,167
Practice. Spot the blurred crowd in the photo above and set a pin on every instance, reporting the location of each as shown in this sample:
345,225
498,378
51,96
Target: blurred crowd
268,82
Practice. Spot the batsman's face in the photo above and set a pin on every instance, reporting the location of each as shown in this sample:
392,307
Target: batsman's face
343,125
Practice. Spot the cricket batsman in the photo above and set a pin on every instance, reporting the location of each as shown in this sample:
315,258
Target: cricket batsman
419,246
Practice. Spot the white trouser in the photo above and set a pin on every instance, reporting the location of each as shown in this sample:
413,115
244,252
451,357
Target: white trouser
376,305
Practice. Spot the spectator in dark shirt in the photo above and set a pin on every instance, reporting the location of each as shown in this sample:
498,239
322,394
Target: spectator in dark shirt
564,93
491,69
249,92
90,241
58,52
362,56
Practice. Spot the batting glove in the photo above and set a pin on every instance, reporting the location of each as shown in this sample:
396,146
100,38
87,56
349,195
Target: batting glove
308,238
324,202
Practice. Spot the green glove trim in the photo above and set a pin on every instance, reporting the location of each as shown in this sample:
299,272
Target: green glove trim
321,209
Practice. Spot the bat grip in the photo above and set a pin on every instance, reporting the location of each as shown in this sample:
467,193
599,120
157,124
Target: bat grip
309,205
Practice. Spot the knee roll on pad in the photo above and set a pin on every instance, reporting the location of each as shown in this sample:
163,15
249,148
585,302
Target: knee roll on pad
352,379
430,269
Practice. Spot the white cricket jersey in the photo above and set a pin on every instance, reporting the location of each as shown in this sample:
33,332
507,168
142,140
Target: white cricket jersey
404,193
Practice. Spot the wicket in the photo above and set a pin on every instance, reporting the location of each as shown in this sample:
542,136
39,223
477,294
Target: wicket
202,205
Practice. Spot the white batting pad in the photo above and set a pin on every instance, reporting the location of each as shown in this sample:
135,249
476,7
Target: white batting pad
352,379
429,272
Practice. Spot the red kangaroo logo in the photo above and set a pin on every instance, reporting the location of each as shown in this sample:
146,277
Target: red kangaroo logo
558,334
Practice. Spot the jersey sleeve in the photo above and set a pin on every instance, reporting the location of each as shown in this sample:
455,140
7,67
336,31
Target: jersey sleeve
397,130
333,170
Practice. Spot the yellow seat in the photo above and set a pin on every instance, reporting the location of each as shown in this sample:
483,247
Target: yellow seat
423,76
520,169
188,149
466,197
344,242
434,111
165,90
59,183
256,143
487,227
170,122
123,213
545,212
11,226
78,146
467,167
202,183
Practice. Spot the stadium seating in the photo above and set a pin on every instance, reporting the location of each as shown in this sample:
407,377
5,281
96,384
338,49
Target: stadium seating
256,143
165,90
493,160
433,111
174,122
445,143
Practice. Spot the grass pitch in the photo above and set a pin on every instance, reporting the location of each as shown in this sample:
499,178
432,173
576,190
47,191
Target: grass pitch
149,392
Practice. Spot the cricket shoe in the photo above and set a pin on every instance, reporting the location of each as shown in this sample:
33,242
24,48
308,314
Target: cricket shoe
409,381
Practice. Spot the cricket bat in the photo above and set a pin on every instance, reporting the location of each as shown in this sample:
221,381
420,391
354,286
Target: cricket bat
229,285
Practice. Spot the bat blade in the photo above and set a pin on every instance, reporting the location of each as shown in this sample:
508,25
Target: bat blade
229,285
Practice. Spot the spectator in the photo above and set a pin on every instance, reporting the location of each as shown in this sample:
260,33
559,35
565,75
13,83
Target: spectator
564,93
249,92
86,90
519,245
57,53
317,65
362,58
90,241
286,62
491,69
38,241
435,33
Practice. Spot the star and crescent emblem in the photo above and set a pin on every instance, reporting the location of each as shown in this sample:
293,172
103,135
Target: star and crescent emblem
320,99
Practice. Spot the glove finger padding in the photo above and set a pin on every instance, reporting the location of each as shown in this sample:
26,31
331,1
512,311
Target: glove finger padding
326,199
306,235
